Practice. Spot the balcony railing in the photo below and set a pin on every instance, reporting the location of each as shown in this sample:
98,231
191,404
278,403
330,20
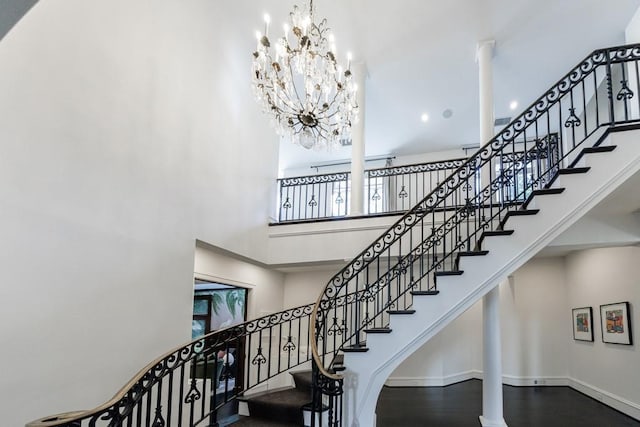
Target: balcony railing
398,188
395,189
314,197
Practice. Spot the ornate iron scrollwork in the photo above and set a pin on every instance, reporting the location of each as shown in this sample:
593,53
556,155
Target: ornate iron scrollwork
313,179
259,358
158,421
193,394
417,168
573,120
289,345
338,327
624,92
329,386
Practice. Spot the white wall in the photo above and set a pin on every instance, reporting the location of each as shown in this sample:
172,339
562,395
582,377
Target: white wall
304,287
534,322
596,277
266,286
632,32
118,125
537,336
534,327
452,355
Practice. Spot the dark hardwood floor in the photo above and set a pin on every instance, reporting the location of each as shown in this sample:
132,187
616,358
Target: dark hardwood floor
459,405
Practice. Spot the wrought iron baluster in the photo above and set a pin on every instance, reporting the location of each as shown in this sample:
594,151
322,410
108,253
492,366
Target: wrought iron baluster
609,80
584,110
637,81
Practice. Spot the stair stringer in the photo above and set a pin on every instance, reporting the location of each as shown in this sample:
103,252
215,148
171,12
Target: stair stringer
366,372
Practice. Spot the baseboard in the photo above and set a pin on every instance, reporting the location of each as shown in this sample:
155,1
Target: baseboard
619,403
491,423
534,381
474,374
431,381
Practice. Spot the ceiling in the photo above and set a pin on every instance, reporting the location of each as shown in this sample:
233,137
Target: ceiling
420,57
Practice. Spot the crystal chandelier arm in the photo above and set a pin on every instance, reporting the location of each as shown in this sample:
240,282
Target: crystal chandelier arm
293,83
276,82
290,108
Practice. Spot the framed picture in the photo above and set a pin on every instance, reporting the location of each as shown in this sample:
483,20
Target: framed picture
582,324
616,325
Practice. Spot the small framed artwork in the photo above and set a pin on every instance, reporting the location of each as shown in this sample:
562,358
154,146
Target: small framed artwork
616,325
582,324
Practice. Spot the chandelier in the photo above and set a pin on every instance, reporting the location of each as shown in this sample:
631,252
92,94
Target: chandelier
312,99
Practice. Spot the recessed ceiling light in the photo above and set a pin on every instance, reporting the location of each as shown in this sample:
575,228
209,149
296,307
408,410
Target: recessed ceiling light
424,117
513,105
447,113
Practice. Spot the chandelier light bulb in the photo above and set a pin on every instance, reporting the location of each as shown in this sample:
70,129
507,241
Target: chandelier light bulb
300,84
267,21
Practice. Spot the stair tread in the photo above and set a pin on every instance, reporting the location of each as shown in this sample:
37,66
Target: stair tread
284,405
541,192
575,170
378,330
594,149
599,149
449,273
545,191
523,212
303,379
355,349
401,311
434,292
497,233
288,396
517,212
472,253
246,398
492,233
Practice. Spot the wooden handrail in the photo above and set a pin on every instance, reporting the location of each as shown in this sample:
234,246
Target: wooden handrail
69,417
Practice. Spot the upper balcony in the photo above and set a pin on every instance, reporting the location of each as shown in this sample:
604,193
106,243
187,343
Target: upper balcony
314,211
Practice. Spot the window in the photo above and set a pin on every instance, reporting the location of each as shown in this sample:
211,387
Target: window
217,306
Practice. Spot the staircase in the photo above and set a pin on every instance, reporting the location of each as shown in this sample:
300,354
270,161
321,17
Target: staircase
551,165
545,215
545,170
